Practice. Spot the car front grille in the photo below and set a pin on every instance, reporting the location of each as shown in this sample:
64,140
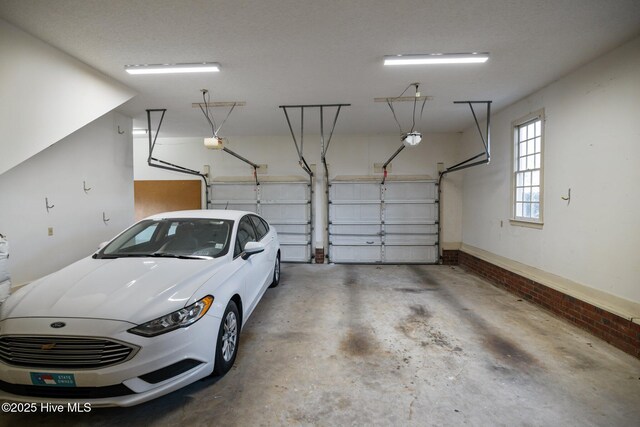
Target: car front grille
63,352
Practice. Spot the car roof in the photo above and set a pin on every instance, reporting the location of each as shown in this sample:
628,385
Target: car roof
203,213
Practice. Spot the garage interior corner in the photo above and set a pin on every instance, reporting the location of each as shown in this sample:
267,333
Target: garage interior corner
397,345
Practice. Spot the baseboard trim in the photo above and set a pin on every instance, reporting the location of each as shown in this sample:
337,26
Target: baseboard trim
622,332
619,306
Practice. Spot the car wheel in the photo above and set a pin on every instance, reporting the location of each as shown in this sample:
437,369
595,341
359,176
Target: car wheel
276,272
228,340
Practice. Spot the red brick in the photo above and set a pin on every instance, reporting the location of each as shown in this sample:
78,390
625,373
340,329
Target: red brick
612,328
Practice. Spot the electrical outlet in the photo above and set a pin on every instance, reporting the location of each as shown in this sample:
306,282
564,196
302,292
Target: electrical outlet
50,231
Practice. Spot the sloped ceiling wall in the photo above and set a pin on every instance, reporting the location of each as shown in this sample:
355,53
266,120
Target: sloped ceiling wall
45,95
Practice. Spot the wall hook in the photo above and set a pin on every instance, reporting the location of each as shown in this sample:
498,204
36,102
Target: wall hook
46,203
120,131
568,198
84,187
105,219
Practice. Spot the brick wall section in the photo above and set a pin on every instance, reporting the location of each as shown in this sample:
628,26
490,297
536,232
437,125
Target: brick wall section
319,256
450,257
614,329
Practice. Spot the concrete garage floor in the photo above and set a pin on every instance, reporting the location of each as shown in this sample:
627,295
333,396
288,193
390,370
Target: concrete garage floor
397,345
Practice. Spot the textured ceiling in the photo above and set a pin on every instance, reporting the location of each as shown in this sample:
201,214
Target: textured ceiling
277,52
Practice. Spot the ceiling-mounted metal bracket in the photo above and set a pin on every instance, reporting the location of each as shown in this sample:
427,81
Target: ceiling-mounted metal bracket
471,161
486,140
300,149
219,104
404,99
389,101
249,162
384,166
325,147
204,107
161,164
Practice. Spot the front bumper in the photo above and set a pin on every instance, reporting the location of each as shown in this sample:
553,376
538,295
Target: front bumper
161,364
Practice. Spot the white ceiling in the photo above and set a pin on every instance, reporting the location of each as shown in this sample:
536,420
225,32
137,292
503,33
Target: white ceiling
276,52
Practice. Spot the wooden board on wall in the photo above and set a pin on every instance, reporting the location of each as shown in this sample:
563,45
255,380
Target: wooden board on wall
152,197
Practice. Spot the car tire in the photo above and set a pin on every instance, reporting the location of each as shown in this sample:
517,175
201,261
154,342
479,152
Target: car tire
228,340
276,272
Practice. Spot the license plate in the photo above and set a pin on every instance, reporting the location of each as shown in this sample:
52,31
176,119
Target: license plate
54,380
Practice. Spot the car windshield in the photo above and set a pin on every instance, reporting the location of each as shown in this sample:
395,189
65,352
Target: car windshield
177,238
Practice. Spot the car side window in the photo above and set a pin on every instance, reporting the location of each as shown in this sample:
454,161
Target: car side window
261,230
266,226
246,234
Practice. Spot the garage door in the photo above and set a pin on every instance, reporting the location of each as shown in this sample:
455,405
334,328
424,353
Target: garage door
284,203
394,223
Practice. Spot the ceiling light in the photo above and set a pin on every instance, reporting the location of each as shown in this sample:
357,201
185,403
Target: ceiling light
437,58
412,139
203,67
139,132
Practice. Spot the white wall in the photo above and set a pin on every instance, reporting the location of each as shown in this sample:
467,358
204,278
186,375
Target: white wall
347,155
45,95
592,145
96,154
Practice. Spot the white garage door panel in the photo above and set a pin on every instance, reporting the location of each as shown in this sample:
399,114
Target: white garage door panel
410,190
356,254
234,191
392,223
360,191
350,214
355,229
294,253
409,254
234,196
276,191
285,205
414,213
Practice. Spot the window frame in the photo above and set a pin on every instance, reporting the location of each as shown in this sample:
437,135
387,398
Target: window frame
255,234
255,218
515,126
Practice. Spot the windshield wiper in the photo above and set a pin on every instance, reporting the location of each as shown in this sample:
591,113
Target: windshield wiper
154,254
170,255
113,256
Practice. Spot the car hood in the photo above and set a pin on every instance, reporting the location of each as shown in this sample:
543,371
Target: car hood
135,290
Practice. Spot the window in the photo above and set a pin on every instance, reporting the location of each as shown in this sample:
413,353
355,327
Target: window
143,237
527,179
198,237
246,234
261,229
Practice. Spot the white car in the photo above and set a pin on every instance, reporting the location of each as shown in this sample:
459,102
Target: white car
157,308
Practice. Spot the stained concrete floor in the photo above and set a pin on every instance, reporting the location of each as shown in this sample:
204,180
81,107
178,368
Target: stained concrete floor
397,345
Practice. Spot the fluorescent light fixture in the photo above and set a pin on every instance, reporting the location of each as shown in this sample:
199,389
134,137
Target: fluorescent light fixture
139,132
412,139
203,67
437,58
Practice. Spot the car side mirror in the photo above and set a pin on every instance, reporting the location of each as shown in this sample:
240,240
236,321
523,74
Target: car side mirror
252,248
102,245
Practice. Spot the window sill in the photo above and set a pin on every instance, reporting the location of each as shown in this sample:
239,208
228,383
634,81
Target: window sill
529,224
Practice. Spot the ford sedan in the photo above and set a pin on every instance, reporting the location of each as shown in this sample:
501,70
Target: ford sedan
158,307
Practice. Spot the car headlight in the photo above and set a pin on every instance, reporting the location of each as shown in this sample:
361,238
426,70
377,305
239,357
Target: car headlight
172,321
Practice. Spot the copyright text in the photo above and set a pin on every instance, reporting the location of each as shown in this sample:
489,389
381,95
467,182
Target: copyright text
26,407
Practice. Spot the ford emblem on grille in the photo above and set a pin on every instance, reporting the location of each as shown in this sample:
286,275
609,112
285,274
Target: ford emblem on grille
58,325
